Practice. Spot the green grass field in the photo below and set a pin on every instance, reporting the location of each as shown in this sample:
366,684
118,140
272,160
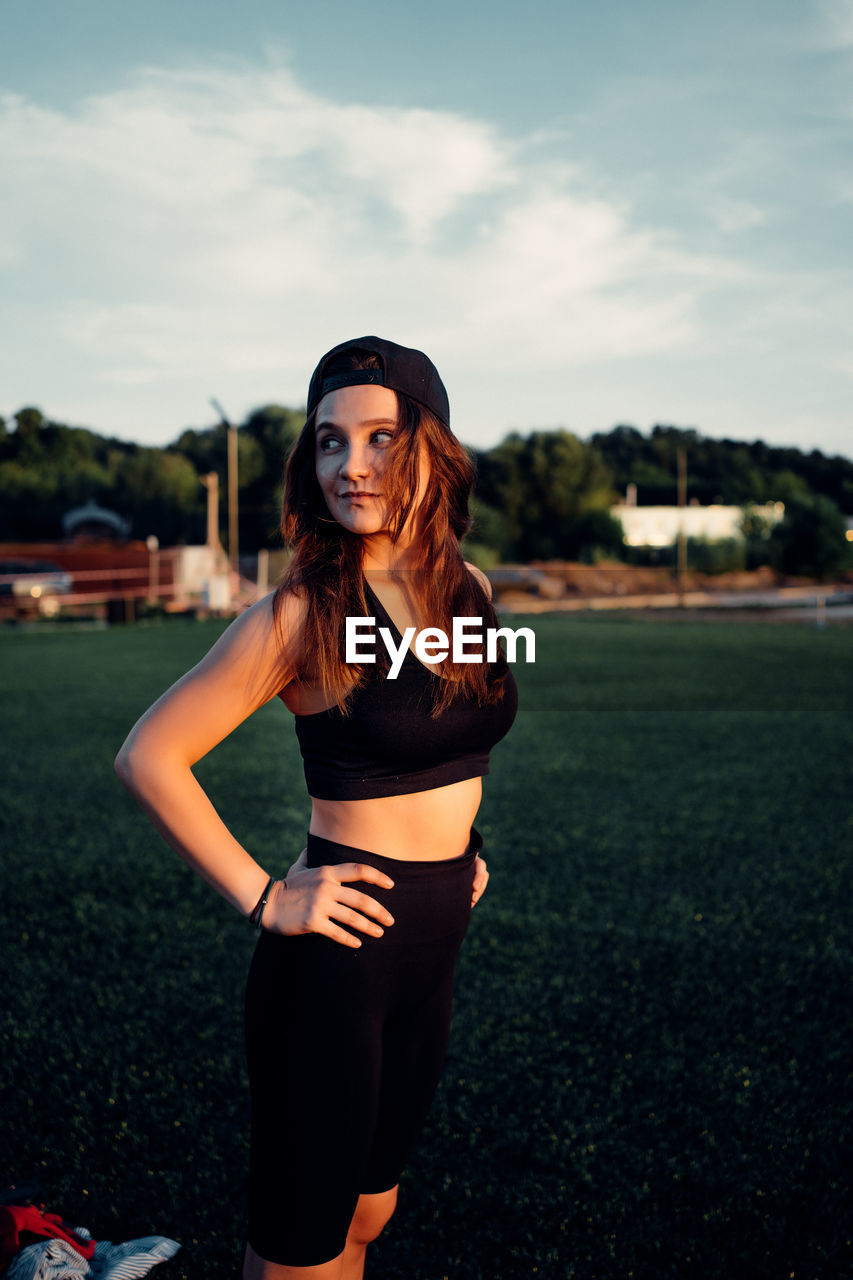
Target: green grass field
650,1070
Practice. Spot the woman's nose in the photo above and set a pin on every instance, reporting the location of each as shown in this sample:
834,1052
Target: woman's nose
355,462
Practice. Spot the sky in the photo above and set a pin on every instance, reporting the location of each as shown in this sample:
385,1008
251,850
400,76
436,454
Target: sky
586,215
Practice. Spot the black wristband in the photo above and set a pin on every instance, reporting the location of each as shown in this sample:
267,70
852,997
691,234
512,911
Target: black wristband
258,909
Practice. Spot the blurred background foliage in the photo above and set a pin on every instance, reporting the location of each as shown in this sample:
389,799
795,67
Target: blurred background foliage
541,496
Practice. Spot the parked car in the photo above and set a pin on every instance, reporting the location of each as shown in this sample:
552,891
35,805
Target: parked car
32,586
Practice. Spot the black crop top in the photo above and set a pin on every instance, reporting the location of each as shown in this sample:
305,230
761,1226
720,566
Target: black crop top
389,744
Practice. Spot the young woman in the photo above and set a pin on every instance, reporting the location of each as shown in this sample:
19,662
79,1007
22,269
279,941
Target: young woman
349,991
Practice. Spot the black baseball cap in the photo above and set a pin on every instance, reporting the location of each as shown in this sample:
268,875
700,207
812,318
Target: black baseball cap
401,369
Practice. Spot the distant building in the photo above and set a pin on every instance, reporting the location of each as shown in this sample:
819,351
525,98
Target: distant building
660,526
92,523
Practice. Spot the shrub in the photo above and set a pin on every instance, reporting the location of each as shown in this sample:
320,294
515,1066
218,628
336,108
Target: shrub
811,538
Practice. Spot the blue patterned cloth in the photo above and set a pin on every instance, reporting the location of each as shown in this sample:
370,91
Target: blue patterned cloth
58,1260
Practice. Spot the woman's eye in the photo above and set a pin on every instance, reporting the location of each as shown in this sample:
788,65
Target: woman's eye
382,436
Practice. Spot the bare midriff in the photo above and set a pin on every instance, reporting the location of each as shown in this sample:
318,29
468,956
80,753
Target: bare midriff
424,826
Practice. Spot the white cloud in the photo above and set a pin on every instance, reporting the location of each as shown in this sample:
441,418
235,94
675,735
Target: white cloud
215,230
212,219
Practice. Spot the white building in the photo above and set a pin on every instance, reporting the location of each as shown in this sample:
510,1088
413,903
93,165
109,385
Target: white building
660,526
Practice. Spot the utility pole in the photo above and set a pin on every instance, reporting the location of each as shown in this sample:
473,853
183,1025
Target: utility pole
233,536
211,483
681,454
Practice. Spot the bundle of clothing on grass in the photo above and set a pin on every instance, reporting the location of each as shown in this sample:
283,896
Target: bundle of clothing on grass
37,1245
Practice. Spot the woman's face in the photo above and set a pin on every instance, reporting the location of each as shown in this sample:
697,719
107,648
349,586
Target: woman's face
354,428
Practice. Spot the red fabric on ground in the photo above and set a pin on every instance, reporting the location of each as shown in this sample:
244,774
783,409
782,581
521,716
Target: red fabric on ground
23,1224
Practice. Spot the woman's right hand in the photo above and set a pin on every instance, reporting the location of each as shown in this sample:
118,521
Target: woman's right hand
318,900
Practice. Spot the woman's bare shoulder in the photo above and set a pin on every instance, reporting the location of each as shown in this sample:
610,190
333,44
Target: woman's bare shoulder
481,578
263,642
285,611
253,660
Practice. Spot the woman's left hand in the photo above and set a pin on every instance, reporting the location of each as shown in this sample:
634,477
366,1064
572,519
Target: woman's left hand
481,879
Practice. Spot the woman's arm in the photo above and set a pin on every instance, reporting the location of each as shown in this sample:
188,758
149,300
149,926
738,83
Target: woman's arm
243,670
246,667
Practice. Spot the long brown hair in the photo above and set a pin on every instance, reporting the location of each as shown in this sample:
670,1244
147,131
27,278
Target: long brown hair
326,567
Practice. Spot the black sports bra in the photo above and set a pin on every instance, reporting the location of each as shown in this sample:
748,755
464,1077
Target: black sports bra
389,744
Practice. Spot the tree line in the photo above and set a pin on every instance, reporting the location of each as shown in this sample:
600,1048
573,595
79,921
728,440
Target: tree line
543,495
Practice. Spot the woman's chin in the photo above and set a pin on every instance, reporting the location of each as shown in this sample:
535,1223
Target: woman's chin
361,519
364,523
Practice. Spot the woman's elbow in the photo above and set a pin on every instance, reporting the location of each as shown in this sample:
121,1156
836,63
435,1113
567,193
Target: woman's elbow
146,763
133,764
124,765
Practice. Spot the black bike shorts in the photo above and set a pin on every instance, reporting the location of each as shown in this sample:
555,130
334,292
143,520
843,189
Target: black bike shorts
345,1047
